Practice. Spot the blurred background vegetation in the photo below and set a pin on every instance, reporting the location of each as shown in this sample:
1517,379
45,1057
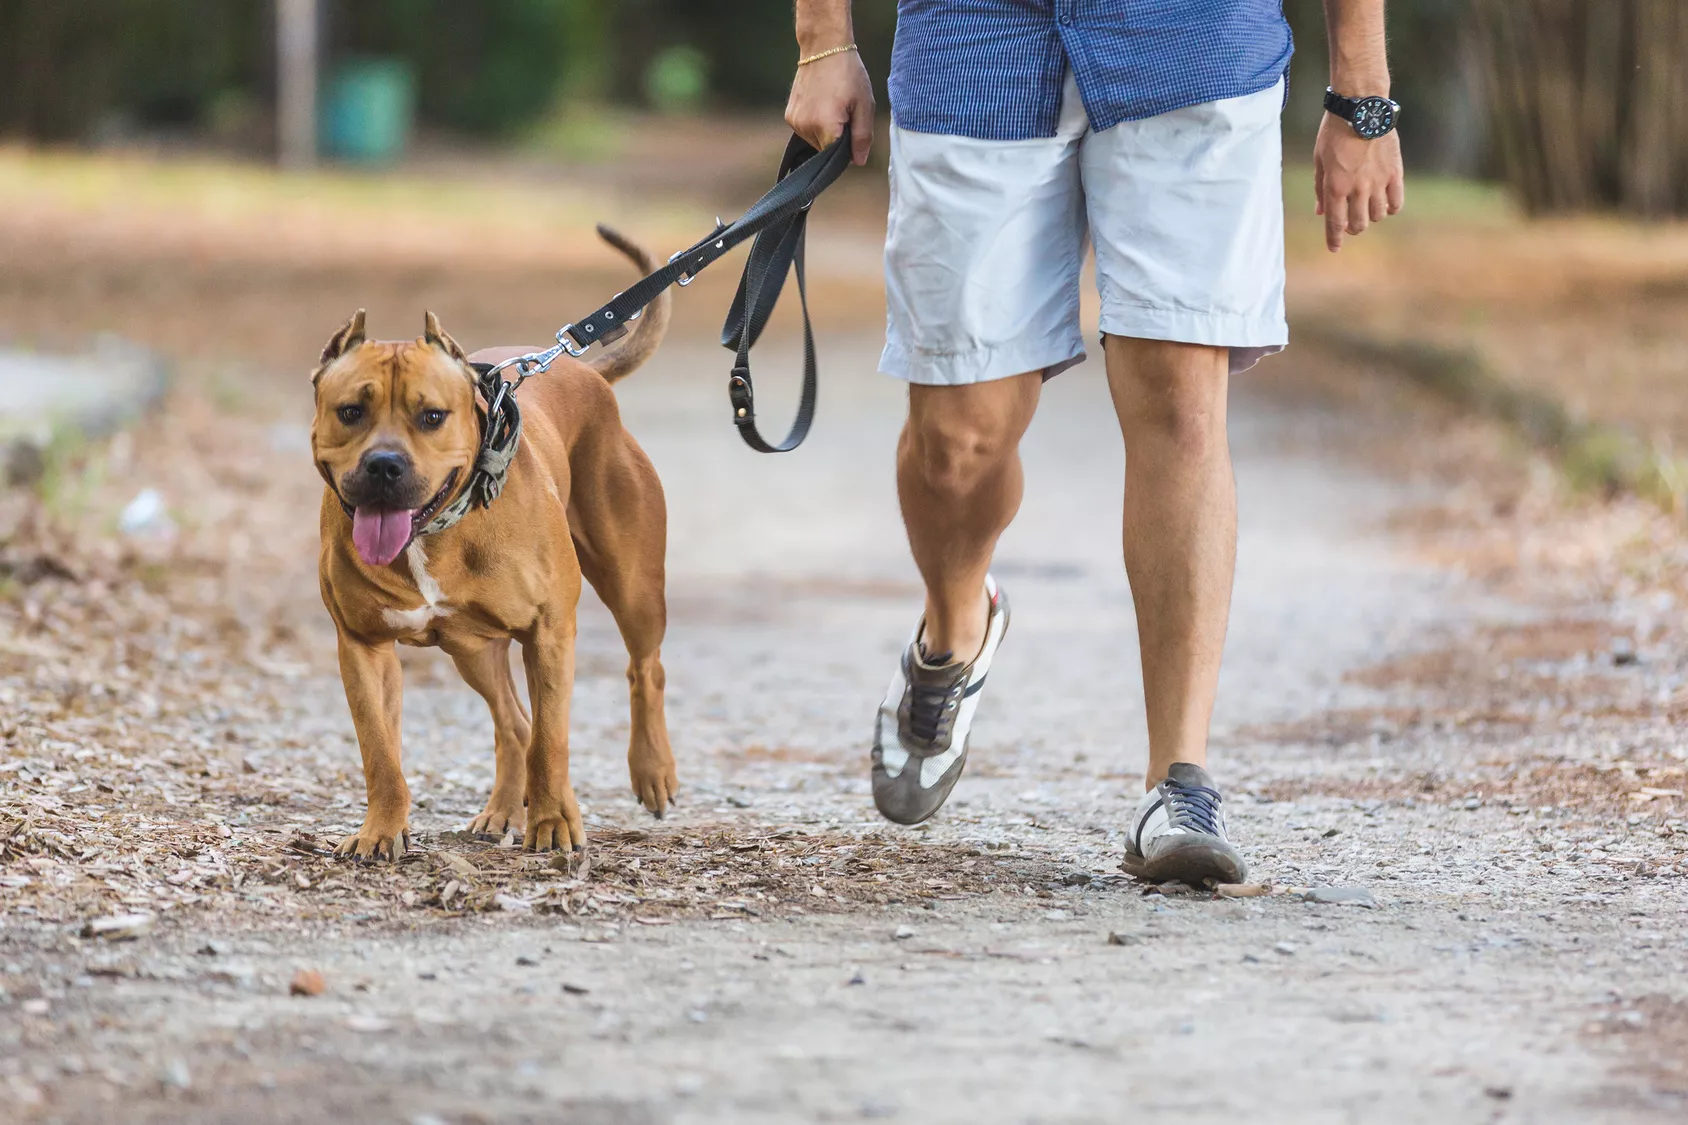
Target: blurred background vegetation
1577,104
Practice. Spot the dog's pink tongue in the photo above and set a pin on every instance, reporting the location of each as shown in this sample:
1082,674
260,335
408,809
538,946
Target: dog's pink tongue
380,535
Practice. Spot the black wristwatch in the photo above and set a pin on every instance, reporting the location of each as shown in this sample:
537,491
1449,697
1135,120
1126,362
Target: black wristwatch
1372,117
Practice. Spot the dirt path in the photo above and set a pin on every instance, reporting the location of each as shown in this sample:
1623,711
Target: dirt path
773,952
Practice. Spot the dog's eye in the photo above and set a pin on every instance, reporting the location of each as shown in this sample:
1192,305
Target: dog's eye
433,419
350,414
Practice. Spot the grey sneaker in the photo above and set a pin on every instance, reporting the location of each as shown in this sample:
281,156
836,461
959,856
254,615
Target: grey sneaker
920,734
1178,834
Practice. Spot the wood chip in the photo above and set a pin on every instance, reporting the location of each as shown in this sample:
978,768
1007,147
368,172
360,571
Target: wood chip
1243,890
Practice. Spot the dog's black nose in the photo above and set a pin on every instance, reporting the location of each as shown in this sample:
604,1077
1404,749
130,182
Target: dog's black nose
386,467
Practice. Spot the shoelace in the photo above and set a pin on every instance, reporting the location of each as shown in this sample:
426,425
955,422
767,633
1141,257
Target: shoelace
929,705
1192,806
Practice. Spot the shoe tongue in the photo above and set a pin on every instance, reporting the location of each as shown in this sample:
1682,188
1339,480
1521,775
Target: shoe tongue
1188,773
935,659
380,534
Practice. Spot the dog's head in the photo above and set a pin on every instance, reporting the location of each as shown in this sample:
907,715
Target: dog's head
396,431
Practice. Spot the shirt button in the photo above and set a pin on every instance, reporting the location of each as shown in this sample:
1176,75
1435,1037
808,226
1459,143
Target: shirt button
1066,19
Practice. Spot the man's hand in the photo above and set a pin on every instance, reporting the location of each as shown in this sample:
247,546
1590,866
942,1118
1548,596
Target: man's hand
1356,182
829,95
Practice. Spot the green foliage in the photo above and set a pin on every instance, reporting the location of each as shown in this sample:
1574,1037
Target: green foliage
677,79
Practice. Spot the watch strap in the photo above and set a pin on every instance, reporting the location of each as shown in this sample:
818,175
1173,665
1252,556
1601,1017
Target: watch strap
1342,107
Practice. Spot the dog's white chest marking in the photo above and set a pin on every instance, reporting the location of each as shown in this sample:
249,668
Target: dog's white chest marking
433,598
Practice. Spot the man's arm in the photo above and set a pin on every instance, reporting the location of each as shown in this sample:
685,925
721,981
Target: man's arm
833,92
1356,182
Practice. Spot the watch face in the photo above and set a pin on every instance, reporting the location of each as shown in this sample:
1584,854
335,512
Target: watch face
1373,117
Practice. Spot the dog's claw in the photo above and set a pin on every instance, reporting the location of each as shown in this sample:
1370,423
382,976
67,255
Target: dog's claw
373,848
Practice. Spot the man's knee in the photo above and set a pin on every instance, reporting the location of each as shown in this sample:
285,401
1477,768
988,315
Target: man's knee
1174,394
954,456
957,438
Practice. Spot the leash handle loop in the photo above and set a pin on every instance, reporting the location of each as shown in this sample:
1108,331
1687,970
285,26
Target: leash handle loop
777,222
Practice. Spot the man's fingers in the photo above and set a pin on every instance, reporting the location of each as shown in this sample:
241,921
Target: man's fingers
1358,214
1379,207
1336,220
1318,188
1396,194
861,130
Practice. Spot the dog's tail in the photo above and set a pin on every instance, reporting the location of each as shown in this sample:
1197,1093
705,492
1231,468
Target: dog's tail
647,332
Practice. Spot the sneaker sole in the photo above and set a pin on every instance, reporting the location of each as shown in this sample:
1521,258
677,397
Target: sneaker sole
1194,864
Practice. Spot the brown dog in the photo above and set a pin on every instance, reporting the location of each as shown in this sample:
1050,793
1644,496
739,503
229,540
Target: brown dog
396,434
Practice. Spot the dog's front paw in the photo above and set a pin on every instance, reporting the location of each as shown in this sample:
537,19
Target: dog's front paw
372,842
655,781
498,817
554,825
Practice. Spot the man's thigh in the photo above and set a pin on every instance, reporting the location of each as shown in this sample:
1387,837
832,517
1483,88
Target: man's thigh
1186,211
983,250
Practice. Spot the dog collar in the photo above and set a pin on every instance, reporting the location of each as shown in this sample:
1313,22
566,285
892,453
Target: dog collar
500,432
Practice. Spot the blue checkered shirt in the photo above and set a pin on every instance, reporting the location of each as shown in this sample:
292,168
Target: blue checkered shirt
994,69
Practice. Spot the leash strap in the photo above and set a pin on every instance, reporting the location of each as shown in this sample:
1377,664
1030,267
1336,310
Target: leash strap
778,222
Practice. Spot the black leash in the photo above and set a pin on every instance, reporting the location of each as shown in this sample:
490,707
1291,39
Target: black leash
778,222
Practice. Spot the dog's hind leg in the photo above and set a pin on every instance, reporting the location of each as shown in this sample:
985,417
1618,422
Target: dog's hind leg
620,530
487,670
375,691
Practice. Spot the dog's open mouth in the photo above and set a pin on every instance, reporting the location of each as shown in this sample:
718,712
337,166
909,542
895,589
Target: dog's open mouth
381,534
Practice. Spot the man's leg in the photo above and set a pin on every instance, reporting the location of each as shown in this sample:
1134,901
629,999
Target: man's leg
1180,532
960,482
958,473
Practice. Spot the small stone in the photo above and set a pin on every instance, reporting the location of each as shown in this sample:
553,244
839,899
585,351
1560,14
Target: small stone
687,1085
368,1025
903,933
307,982
698,1015
1077,878
1623,652
857,977
1329,832
214,948
1340,896
1473,803
241,976
575,989
118,927
527,962
1499,1093
1117,938
36,1007
113,967
1056,915
175,1075
1250,959
1287,948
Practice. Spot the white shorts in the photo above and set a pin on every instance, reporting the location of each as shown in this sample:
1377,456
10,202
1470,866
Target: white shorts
986,240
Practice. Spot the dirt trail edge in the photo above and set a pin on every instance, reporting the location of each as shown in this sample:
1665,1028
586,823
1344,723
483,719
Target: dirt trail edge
1502,950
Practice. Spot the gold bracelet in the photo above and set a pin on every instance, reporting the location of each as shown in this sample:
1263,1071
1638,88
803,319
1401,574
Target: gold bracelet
826,54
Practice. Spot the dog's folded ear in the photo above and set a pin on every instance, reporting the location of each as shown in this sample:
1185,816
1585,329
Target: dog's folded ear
433,334
348,337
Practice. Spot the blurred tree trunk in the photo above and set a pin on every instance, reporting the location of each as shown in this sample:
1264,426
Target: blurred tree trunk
1590,100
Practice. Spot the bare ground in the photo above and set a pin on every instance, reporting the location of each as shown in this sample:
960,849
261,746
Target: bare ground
1446,684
